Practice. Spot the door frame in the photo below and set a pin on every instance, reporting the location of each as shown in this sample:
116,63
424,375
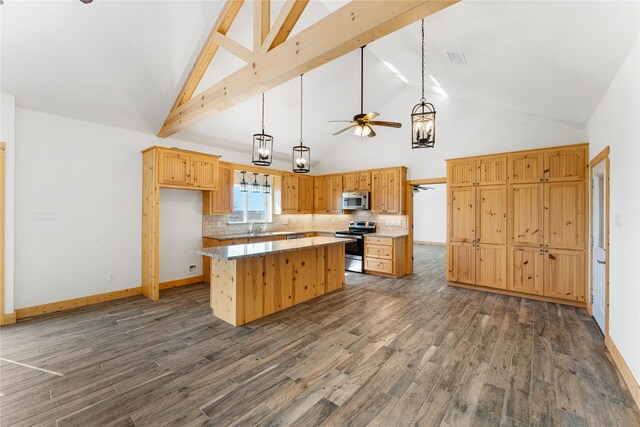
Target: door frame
602,156
409,209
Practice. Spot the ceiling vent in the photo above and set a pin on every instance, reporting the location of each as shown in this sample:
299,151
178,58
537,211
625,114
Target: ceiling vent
457,57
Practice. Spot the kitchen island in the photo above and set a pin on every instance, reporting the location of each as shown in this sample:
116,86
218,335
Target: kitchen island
250,281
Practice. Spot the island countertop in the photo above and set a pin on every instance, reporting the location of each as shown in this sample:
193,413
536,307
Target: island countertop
266,248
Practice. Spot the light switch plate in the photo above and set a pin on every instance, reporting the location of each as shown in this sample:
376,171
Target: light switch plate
43,215
617,220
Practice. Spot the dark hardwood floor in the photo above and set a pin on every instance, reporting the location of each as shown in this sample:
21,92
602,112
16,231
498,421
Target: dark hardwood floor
379,352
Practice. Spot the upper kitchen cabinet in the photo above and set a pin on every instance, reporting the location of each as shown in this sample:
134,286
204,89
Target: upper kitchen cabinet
526,167
491,170
178,168
387,190
328,194
297,194
320,195
565,164
356,181
220,201
461,173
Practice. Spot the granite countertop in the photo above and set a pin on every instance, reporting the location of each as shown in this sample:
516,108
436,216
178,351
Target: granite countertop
388,234
267,248
263,234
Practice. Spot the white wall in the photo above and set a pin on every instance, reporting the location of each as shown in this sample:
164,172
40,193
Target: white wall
7,134
91,176
462,129
430,214
180,231
616,123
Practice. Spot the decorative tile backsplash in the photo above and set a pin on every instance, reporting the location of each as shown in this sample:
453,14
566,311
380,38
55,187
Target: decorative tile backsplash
216,225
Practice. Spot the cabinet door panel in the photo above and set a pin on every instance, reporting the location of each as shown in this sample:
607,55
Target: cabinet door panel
174,168
492,170
461,263
364,181
462,217
492,215
334,188
566,164
461,173
204,172
289,193
350,181
378,192
525,214
320,195
564,215
305,194
392,182
526,270
220,201
564,274
491,266
525,167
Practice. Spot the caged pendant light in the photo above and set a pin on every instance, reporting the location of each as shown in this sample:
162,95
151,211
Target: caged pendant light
244,186
301,153
262,152
255,185
423,116
266,187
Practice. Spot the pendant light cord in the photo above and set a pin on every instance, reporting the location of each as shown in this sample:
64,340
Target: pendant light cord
263,107
362,80
301,109
423,99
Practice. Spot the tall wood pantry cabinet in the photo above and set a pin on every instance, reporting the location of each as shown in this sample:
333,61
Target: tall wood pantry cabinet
516,222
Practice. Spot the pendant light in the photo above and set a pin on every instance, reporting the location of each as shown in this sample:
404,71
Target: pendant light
255,186
301,153
243,184
266,188
423,116
262,145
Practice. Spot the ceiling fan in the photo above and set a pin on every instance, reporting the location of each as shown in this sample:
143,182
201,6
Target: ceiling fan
363,122
418,188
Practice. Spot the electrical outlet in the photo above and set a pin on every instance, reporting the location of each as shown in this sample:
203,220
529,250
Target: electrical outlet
192,268
112,277
43,215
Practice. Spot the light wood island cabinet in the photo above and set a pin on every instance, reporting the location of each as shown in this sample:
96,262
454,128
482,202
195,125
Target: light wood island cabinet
516,223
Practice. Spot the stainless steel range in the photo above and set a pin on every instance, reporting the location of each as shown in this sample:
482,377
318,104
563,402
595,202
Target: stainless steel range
354,251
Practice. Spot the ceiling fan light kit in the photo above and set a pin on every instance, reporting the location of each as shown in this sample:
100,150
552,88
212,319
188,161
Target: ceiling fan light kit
423,117
262,152
301,153
362,124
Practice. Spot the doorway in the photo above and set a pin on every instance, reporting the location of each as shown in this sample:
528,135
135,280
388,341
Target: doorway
599,220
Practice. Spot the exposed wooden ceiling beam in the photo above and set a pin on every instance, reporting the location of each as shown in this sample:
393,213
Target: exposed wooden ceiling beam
223,23
341,32
284,23
233,47
261,22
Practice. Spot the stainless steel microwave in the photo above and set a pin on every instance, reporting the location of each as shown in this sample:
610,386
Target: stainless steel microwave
356,200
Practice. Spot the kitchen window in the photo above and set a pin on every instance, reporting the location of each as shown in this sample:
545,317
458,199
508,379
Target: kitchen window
249,206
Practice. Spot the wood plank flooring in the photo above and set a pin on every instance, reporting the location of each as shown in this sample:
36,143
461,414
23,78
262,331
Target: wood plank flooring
381,352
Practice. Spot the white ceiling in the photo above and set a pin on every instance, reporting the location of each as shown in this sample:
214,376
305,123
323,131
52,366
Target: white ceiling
122,63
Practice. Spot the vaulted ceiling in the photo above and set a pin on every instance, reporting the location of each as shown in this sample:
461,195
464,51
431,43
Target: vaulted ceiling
122,64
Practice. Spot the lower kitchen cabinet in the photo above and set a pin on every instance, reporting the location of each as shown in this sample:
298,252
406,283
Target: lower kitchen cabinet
564,274
461,263
526,270
491,266
384,255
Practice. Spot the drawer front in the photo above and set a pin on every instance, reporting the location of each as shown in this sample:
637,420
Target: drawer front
378,251
381,265
384,241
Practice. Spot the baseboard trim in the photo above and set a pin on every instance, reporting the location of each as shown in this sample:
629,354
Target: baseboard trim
8,319
519,294
424,242
627,375
52,307
181,282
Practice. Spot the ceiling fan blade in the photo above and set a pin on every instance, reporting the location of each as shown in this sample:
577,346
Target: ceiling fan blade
340,121
370,116
387,124
345,129
372,134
